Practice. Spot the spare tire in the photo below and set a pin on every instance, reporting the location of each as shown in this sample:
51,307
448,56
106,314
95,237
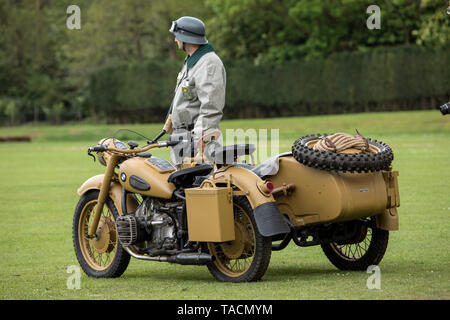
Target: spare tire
379,158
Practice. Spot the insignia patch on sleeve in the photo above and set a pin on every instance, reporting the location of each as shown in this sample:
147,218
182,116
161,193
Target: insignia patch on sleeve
211,70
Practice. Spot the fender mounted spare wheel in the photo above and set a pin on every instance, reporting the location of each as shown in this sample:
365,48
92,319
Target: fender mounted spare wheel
377,156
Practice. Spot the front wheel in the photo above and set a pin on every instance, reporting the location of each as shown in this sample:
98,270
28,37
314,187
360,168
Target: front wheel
103,256
368,248
247,257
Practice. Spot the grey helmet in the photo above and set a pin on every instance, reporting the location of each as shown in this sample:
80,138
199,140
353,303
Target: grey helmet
189,30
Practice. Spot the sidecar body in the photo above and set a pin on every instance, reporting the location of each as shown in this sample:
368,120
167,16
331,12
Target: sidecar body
304,195
308,195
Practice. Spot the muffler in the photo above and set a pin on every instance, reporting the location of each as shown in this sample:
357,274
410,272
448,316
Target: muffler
181,258
191,258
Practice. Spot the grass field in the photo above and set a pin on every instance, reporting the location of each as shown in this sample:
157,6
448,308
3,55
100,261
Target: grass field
38,197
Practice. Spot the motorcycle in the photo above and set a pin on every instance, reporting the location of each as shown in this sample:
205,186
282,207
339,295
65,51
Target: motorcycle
228,215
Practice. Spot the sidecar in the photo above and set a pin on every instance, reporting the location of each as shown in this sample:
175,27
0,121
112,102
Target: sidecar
308,196
348,211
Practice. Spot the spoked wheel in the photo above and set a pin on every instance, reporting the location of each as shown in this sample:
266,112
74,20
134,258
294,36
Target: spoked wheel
103,256
368,248
247,257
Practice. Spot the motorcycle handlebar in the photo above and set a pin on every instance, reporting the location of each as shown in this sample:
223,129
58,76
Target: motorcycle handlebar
157,137
100,148
103,148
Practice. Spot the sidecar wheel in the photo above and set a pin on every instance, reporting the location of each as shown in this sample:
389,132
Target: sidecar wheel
247,257
368,250
103,257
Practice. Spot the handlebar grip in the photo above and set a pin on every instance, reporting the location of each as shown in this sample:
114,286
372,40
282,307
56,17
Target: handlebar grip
173,143
167,143
99,148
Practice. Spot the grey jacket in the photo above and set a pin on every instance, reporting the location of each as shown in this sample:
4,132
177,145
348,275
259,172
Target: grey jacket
200,95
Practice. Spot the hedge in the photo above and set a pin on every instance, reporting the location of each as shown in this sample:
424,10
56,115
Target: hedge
381,79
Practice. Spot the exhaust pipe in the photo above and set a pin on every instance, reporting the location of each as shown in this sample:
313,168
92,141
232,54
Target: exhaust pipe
181,258
191,258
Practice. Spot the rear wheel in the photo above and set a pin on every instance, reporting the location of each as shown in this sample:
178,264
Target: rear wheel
368,248
247,257
103,256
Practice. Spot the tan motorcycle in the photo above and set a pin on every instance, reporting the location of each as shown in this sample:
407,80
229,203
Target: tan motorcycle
228,215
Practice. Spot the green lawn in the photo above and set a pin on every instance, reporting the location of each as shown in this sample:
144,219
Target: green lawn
38,197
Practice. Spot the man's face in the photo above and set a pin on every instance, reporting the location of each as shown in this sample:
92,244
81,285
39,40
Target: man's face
179,43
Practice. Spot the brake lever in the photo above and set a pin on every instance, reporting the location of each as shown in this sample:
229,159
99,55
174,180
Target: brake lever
100,148
90,154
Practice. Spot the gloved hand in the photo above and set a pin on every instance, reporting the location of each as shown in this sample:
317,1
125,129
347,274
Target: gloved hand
168,125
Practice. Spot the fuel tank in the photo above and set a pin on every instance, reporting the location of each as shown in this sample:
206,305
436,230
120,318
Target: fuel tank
147,176
328,196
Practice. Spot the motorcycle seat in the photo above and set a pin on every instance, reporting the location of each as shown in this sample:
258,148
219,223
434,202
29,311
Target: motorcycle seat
186,177
228,154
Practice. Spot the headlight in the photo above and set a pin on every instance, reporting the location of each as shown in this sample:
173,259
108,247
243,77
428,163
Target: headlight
103,157
119,144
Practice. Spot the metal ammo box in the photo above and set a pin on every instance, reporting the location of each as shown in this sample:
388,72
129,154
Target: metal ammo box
210,212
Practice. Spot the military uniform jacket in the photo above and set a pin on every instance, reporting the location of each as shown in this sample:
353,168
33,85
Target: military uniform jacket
200,93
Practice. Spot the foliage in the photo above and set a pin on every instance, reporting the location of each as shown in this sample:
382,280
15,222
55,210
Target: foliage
267,30
390,78
43,63
434,29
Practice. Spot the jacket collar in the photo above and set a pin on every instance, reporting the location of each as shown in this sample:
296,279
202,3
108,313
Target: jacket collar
202,50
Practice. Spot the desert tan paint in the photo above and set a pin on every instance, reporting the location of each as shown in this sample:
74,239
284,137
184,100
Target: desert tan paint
115,192
315,196
324,196
210,212
210,206
247,182
156,178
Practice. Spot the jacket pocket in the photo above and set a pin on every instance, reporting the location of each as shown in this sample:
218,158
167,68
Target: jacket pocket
189,92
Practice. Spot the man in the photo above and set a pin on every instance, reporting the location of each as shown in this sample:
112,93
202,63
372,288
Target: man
200,89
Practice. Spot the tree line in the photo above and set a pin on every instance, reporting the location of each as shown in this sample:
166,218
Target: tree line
51,73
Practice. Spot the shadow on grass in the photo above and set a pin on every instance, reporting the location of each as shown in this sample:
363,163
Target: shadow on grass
274,273
284,272
172,273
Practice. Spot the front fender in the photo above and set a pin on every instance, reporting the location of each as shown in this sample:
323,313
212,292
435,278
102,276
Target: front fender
268,218
115,192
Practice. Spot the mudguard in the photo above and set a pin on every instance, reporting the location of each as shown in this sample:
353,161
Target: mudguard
268,218
115,192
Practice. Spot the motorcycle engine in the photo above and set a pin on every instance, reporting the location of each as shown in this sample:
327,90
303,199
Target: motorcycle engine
150,226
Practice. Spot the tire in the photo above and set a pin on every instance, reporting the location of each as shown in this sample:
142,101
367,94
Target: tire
380,159
104,257
359,255
241,261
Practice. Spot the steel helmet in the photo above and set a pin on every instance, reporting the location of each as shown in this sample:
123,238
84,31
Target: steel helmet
189,30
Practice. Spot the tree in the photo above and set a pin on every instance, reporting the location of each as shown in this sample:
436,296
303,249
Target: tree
434,27
29,54
281,30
